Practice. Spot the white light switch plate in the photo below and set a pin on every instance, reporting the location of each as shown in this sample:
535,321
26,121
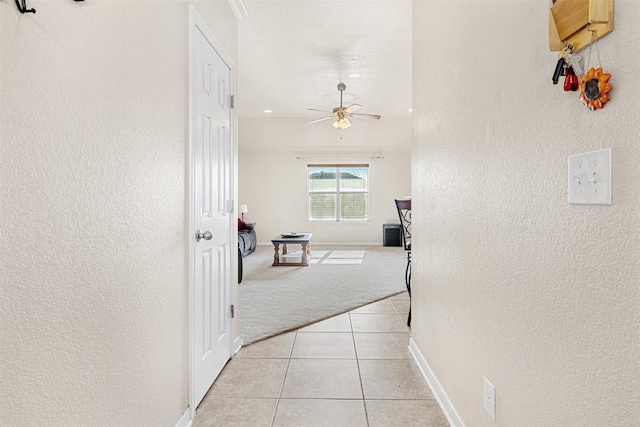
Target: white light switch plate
589,178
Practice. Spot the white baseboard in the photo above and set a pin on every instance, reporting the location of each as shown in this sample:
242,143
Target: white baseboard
237,344
441,396
185,419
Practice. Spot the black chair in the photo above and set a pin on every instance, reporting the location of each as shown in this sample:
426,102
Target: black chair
404,212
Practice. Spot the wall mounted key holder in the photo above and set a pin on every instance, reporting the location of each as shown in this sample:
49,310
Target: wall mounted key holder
576,21
22,6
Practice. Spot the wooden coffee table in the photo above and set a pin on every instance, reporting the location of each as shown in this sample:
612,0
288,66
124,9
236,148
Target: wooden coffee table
302,239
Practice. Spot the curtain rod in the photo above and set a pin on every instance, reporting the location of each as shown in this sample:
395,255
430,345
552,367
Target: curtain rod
338,157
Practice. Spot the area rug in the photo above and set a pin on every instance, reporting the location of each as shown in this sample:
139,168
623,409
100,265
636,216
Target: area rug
272,300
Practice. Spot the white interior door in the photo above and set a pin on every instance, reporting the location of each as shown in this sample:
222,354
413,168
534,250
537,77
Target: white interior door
212,179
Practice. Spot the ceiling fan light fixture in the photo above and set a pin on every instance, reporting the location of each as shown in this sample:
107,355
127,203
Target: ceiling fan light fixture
341,123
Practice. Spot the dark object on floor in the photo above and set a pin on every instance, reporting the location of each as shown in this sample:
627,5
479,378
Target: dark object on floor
391,235
404,212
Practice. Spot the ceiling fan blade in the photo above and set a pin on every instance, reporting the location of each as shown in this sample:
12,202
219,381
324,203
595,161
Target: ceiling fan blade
351,108
322,111
323,119
365,116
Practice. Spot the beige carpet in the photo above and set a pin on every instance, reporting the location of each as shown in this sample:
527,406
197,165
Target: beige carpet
272,300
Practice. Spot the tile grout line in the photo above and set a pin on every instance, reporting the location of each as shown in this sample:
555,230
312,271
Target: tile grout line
355,349
404,322
286,371
405,328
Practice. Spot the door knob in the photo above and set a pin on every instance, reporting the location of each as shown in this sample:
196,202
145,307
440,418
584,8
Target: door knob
203,235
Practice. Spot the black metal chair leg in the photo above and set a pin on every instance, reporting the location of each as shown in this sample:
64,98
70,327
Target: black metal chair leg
408,283
404,214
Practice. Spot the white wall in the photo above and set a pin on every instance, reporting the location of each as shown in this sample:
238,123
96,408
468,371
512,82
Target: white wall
509,280
94,132
272,181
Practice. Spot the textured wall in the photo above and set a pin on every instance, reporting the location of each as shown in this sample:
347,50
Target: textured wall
94,128
511,282
272,182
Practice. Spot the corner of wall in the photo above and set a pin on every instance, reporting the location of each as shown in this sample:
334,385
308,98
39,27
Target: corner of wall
438,391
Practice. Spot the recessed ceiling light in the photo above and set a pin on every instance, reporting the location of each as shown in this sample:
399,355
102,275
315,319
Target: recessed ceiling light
354,76
268,111
411,110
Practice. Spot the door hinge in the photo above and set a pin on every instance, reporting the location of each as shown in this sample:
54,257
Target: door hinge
232,101
233,311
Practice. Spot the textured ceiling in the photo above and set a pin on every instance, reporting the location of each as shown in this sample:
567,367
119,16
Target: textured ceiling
293,53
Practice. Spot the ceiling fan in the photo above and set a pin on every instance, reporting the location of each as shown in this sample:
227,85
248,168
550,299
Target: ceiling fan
343,114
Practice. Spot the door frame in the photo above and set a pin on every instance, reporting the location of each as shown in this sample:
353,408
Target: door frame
196,23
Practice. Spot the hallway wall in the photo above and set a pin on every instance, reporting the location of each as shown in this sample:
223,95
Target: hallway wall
509,280
94,132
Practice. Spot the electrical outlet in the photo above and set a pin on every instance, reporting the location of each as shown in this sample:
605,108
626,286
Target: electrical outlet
489,398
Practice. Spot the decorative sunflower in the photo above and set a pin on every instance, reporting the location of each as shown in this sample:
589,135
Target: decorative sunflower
595,88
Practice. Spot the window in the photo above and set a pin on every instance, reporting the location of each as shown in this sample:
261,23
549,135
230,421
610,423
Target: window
338,192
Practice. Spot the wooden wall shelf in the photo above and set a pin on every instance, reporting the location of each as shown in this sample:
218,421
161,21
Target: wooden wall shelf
574,21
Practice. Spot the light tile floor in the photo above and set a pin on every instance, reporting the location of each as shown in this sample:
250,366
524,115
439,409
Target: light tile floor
351,370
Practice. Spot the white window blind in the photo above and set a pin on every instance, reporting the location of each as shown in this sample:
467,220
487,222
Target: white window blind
338,192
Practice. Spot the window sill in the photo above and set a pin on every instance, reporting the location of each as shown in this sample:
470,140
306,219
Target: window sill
329,222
